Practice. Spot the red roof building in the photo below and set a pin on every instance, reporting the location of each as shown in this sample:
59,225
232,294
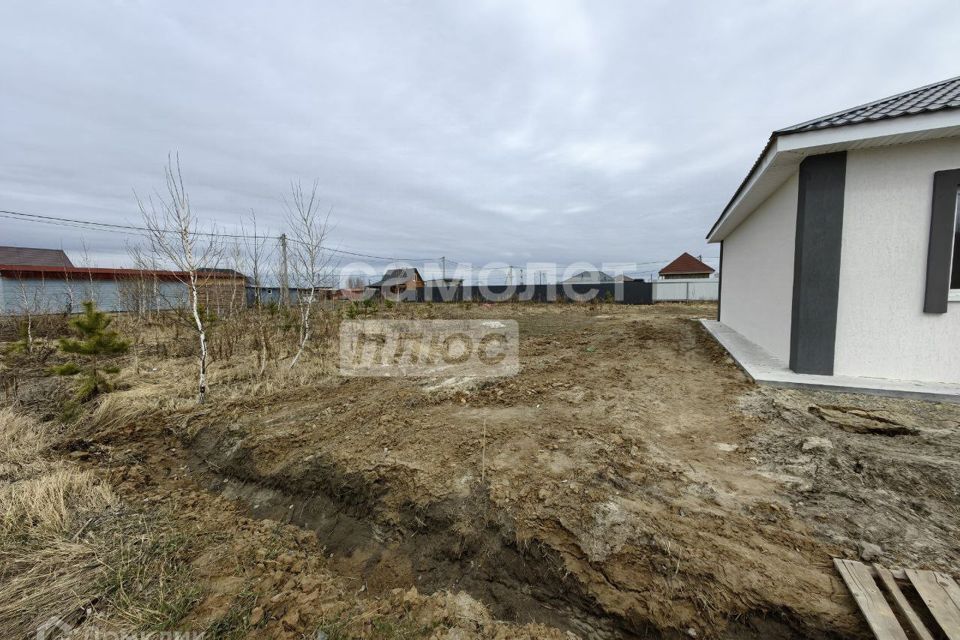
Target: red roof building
45,281
686,266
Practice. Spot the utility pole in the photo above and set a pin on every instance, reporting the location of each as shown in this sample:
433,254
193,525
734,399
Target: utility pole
284,278
443,267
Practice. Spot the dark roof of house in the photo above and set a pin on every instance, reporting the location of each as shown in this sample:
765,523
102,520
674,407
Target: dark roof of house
396,276
28,256
216,271
686,264
933,97
926,99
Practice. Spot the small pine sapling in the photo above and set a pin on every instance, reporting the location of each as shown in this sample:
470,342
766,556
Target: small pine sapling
95,340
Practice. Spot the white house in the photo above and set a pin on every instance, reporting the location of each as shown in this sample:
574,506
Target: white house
840,251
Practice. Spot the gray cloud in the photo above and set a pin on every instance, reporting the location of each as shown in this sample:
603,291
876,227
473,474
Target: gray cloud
547,131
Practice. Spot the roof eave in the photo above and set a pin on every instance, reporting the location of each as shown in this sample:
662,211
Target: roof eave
784,151
685,273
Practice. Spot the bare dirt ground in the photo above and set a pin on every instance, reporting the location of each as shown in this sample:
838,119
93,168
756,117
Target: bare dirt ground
629,482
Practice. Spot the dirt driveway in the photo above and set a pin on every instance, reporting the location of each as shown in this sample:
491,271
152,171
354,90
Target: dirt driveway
629,481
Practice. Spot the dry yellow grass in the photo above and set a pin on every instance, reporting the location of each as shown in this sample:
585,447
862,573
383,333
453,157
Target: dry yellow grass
66,541
41,498
169,385
68,544
22,443
44,571
40,583
49,505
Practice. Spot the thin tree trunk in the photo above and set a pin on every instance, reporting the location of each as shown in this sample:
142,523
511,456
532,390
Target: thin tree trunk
29,333
28,314
195,304
262,335
304,329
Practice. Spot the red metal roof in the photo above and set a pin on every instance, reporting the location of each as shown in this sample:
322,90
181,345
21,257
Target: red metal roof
686,264
100,273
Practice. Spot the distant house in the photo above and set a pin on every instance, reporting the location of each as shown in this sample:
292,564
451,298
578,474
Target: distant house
399,284
686,266
840,251
56,289
589,277
40,281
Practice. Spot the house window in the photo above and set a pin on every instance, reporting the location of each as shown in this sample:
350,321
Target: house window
943,254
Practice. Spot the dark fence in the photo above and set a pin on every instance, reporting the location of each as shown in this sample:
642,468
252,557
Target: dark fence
635,292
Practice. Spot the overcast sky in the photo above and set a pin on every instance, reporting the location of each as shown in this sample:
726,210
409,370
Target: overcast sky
507,131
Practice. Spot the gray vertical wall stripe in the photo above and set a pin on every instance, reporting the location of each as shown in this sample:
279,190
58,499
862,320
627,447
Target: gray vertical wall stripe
940,251
720,283
816,269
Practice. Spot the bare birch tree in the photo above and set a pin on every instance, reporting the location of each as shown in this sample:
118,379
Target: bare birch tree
310,261
257,255
68,288
238,290
90,289
139,299
175,238
31,303
256,258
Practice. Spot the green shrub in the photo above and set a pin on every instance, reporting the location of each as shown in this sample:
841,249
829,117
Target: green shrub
67,369
94,341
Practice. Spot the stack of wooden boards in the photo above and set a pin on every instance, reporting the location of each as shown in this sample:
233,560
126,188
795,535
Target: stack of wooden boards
929,612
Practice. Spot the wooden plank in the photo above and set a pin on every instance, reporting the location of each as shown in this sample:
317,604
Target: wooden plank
942,596
898,574
883,622
901,603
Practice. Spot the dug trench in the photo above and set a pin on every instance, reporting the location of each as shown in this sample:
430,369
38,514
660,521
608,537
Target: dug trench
424,548
433,549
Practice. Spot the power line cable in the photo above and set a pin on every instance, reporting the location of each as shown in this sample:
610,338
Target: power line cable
135,230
